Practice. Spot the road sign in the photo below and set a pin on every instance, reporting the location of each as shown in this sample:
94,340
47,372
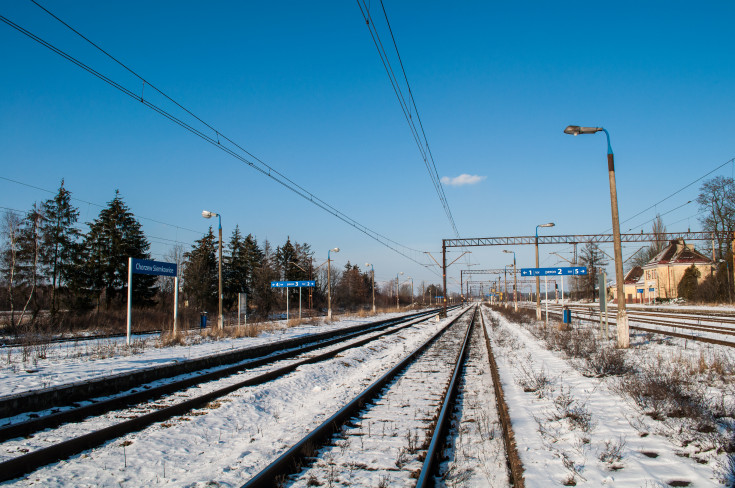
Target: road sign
639,290
145,266
650,289
293,284
576,271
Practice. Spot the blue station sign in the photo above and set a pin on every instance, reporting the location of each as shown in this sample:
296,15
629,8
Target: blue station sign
567,271
293,284
145,266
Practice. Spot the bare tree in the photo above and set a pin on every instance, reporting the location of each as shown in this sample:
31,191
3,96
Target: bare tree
10,230
717,201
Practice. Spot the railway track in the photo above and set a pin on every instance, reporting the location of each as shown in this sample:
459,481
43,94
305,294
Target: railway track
683,323
137,410
395,431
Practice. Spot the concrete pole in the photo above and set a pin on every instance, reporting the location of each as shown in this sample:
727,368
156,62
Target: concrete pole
538,283
444,277
622,319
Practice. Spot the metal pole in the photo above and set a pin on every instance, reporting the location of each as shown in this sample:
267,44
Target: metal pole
286,305
329,287
444,276
239,307
562,291
398,293
546,290
373,273
299,303
220,319
176,303
130,296
515,283
538,283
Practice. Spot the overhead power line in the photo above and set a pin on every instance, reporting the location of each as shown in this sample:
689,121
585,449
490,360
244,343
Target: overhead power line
215,137
418,133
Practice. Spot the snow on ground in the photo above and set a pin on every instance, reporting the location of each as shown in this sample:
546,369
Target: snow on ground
576,429
227,442
477,457
70,362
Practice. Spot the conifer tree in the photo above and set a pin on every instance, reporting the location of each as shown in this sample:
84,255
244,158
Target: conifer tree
114,236
236,268
200,272
59,236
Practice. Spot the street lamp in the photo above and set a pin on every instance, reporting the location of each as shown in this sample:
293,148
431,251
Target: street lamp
515,280
538,280
329,282
372,268
398,290
208,215
622,319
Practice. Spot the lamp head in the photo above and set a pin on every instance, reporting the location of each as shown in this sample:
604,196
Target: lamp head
507,251
207,214
336,249
368,264
575,130
550,224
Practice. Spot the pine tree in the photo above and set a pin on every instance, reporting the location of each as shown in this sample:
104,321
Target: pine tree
264,298
201,280
113,237
688,285
58,240
236,272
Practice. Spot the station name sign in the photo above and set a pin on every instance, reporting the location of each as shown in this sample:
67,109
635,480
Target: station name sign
572,270
145,266
293,284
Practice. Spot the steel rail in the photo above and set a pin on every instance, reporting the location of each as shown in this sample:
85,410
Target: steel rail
29,462
683,315
432,459
69,393
122,401
515,466
663,332
712,329
289,461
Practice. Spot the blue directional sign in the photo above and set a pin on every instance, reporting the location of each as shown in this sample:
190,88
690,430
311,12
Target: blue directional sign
293,284
145,266
639,290
575,271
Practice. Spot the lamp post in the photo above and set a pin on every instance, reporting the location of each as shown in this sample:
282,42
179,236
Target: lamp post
538,280
372,268
622,319
208,215
329,282
398,291
515,280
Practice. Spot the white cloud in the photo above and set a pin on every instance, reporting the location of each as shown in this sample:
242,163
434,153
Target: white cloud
463,179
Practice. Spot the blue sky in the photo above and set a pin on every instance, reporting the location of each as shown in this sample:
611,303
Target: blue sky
300,85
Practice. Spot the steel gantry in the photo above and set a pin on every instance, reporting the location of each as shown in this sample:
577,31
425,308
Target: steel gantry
572,239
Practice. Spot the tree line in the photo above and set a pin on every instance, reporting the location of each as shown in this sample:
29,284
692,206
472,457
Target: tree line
47,263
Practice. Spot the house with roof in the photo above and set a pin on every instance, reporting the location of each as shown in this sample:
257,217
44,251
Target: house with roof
660,277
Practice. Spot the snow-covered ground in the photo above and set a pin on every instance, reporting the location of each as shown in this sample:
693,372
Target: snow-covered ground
71,362
575,428
227,442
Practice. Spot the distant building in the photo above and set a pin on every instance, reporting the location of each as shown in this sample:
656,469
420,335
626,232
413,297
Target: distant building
659,277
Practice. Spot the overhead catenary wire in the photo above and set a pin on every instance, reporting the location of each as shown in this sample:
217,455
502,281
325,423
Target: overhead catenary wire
215,139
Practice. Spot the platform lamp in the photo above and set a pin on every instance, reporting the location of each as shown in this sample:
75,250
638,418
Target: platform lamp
208,215
372,269
622,319
329,282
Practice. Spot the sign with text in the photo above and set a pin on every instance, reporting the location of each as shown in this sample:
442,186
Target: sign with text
572,270
145,266
293,284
